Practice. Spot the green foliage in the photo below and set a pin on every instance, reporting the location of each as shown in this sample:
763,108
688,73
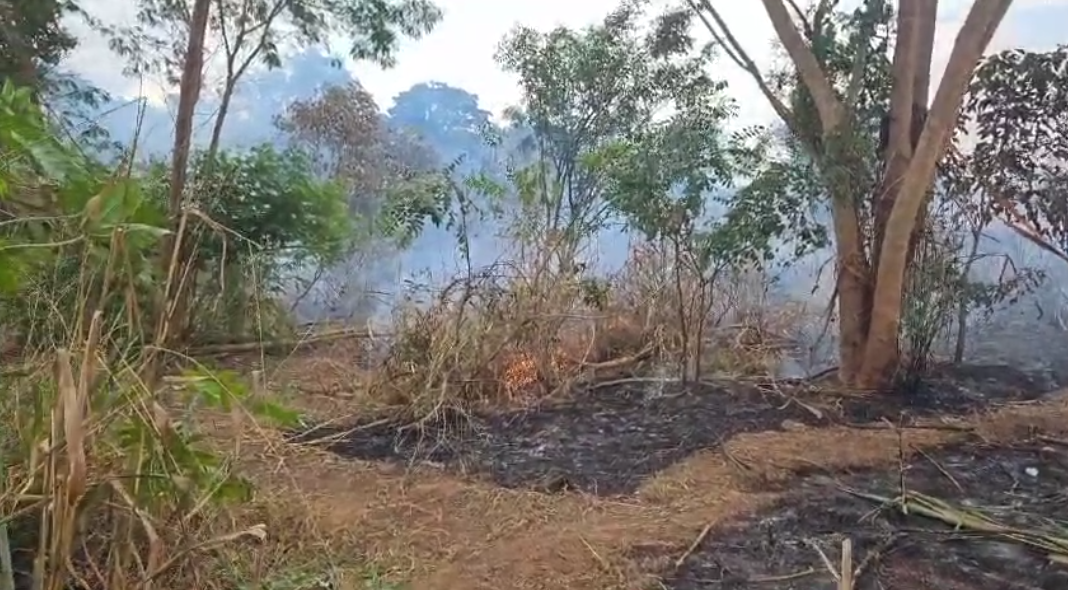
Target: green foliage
837,38
259,30
62,215
34,38
78,259
1016,106
582,91
273,200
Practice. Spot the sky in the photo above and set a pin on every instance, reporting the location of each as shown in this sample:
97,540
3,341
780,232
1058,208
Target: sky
460,51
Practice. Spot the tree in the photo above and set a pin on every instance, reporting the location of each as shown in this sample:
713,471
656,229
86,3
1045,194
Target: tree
1016,109
173,305
251,31
350,142
33,36
581,92
1008,161
446,117
279,218
625,126
871,280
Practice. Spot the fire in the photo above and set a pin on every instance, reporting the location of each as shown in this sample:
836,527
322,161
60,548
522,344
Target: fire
521,370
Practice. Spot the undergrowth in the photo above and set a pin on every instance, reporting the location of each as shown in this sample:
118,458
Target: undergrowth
109,474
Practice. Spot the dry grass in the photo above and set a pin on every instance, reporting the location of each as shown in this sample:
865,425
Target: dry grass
441,533
515,334
104,482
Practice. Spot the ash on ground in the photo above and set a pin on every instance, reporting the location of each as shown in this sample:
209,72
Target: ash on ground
1021,486
608,440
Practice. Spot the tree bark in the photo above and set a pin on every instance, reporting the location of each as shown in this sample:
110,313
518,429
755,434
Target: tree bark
852,266
870,295
908,101
171,307
220,118
880,353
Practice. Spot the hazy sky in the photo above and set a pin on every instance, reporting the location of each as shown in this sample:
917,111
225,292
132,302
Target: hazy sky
460,51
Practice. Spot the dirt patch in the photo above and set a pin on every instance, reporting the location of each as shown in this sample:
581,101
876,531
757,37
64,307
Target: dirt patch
609,440
1017,485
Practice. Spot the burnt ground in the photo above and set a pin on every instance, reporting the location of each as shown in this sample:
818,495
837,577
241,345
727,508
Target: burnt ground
950,390
608,440
1023,486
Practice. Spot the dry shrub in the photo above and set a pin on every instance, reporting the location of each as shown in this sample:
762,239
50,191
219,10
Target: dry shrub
499,336
514,334
740,329
105,481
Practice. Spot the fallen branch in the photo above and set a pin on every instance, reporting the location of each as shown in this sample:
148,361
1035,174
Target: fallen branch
971,519
282,345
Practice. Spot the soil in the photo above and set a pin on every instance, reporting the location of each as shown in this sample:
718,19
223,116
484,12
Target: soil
951,390
609,440
1020,485
613,489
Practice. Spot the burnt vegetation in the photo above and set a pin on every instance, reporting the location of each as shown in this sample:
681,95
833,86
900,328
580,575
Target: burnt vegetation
801,353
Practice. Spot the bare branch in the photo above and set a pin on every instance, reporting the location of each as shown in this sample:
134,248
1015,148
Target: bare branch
860,61
810,32
730,43
827,104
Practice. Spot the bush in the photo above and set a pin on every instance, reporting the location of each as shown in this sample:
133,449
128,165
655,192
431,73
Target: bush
104,480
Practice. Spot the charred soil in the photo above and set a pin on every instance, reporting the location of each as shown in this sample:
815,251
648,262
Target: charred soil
1019,486
713,485
608,439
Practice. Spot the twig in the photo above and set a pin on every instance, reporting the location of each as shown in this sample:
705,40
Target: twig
879,426
848,574
741,465
632,381
1053,440
826,560
693,546
876,553
239,347
600,559
939,467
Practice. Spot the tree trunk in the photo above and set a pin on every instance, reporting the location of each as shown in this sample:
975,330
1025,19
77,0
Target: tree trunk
880,355
189,94
869,314
220,118
908,107
852,265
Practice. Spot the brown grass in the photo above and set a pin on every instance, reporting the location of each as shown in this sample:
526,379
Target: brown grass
516,334
441,532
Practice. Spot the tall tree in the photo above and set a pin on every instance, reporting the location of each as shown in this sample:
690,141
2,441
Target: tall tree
582,91
871,281
254,31
447,117
173,305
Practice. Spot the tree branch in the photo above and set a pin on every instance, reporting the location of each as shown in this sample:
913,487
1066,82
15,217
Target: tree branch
730,43
860,61
827,104
971,41
810,32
